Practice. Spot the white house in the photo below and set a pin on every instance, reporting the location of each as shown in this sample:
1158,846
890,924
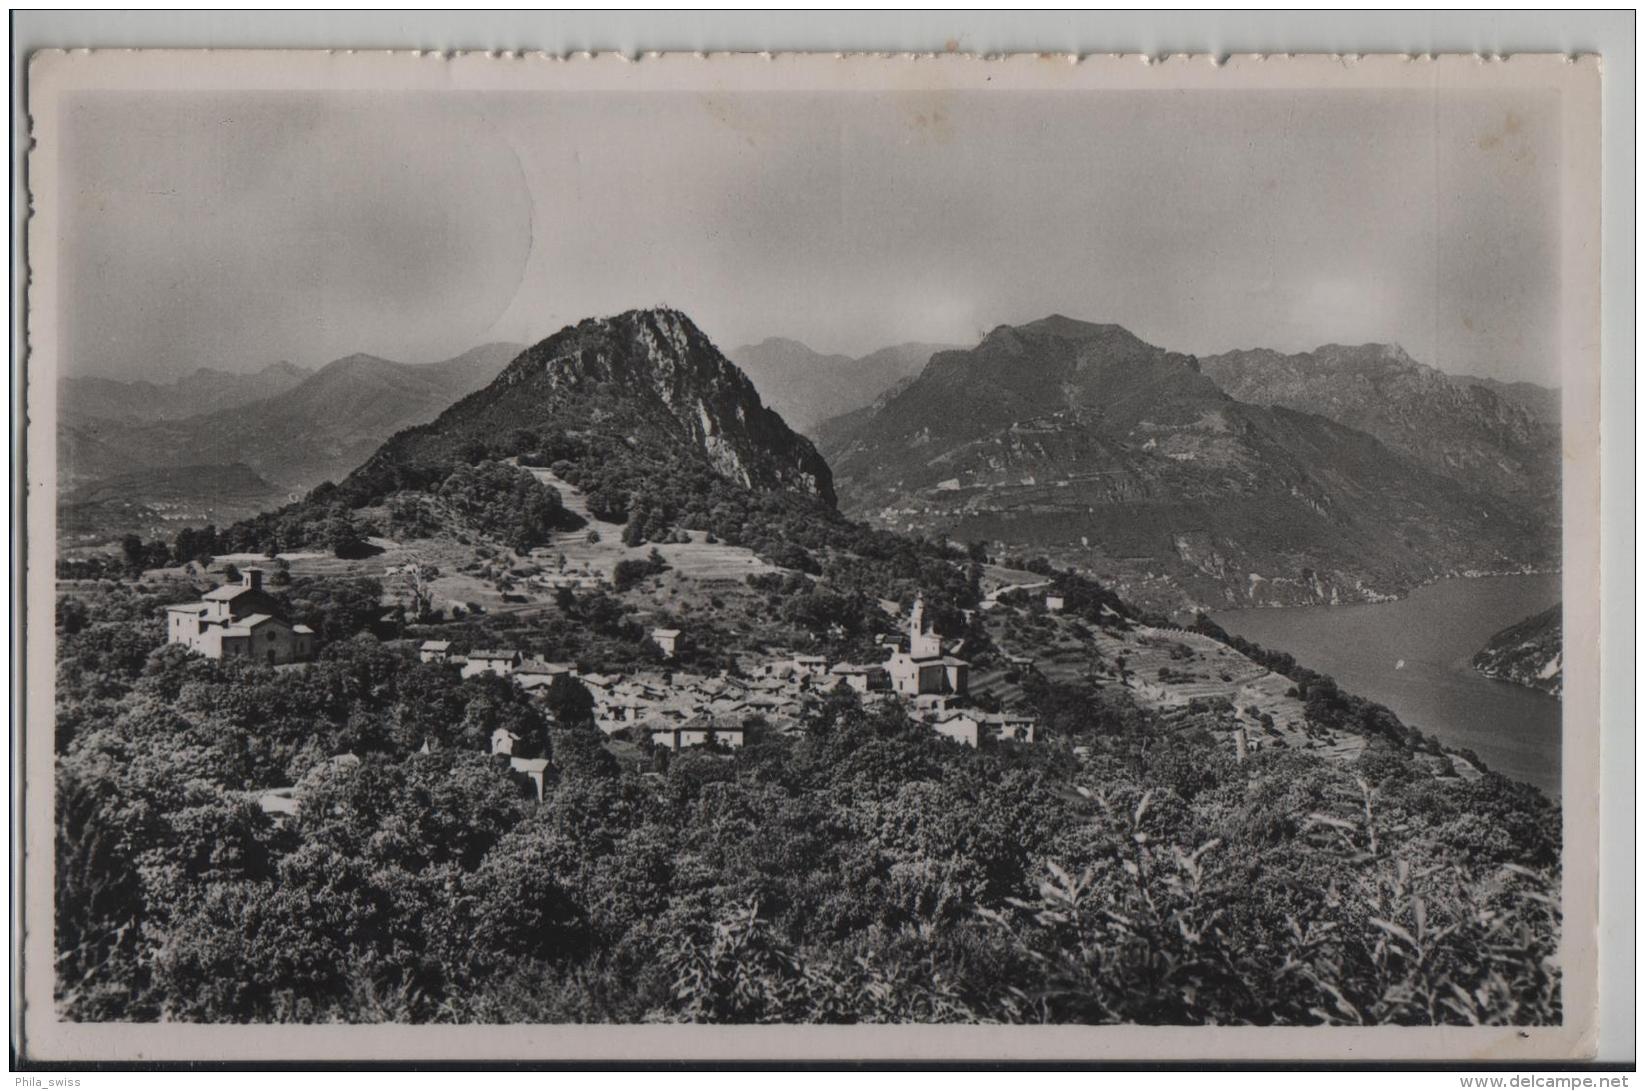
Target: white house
961,726
699,731
501,661
614,713
280,804
1009,726
533,769
1053,603
862,677
667,640
434,651
535,673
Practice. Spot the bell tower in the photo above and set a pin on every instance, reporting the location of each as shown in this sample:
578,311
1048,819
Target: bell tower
922,643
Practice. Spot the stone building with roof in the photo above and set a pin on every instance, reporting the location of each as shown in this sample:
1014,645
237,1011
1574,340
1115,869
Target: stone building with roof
500,661
700,730
239,621
924,668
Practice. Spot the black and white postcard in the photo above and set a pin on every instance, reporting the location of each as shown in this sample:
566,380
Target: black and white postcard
801,556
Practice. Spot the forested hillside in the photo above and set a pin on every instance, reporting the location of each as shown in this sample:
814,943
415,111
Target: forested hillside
1128,868
1529,653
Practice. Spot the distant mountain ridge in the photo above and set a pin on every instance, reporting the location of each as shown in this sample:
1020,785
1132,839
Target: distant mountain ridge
808,387
835,431
1082,440
1543,401
1491,436
206,390
318,429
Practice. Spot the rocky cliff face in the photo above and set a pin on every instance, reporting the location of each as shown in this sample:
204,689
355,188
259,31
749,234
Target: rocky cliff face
647,379
1463,429
1083,441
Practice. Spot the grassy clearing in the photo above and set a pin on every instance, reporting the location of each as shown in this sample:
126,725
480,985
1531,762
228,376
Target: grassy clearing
698,559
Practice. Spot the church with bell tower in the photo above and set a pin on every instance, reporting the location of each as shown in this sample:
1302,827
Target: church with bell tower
925,668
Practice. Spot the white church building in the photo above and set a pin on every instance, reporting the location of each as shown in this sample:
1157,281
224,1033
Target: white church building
924,668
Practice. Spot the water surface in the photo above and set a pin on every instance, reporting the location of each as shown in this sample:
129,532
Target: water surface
1434,633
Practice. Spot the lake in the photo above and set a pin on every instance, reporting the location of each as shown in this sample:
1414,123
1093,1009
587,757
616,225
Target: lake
1435,632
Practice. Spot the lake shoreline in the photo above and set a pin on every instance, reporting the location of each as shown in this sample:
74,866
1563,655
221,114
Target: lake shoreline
1381,600
1414,656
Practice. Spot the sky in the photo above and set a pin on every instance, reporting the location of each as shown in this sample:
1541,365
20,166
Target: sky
233,231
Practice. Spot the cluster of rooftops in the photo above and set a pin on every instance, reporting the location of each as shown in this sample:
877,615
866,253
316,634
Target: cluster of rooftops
678,710
675,709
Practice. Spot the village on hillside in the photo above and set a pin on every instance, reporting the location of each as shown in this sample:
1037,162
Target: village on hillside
475,607
676,710
669,706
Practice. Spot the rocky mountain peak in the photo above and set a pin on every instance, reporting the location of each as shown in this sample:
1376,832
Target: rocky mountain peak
1074,329
648,377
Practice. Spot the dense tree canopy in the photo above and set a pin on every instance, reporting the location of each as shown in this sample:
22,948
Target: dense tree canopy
1124,868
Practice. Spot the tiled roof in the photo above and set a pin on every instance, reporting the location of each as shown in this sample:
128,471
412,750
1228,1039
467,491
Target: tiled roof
435,645
541,666
226,592
279,801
